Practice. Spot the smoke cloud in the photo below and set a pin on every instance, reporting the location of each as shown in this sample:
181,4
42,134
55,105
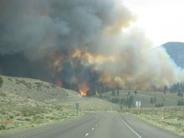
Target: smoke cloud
82,41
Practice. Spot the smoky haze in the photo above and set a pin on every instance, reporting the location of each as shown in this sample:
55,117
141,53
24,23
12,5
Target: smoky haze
80,41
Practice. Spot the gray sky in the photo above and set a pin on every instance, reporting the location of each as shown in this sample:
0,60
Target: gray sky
161,20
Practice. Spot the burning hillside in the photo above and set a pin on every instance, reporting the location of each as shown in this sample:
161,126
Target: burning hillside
81,45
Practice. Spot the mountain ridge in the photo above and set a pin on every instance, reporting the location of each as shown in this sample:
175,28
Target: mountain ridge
175,51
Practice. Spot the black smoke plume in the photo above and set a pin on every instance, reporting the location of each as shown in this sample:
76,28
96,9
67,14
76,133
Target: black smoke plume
79,41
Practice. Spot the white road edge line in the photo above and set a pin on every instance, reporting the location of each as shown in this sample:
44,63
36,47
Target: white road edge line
86,134
131,129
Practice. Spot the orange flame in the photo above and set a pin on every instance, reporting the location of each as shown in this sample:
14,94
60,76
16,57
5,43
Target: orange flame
91,58
83,89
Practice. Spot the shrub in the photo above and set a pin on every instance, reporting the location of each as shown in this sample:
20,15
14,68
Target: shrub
31,111
159,105
113,93
180,94
58,107
180,102
26,84
115,100
2,127
3,94
1,81
153,100
130,101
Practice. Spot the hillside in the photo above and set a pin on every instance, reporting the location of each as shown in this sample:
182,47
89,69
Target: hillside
176,50
147,98
27,102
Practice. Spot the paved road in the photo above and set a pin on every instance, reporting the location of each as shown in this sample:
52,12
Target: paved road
96,125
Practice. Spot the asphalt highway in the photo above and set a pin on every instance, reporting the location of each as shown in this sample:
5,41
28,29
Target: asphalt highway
95,125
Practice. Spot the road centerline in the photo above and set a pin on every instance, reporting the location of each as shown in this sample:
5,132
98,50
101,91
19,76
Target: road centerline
87,134
131,129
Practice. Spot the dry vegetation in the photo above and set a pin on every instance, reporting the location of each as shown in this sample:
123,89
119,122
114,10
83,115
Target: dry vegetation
28,103
170,118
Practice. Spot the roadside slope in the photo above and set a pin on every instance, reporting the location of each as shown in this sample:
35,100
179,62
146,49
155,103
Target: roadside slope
28,102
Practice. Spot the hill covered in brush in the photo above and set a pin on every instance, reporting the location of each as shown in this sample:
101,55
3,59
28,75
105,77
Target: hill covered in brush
28,102
175,51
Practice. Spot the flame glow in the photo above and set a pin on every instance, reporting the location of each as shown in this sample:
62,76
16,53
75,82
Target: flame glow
92,58
83,89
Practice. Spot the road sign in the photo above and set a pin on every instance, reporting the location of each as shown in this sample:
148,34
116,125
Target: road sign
138,104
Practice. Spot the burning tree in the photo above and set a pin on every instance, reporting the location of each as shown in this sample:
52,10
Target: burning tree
83,89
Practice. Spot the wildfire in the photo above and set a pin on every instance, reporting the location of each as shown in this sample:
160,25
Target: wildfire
83,89
92,58
55,62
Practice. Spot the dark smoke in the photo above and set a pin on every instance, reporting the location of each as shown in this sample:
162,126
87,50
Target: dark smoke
79,41
47,24
18,65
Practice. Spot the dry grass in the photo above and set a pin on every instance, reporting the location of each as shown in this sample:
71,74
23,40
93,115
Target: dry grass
170,118
28,103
